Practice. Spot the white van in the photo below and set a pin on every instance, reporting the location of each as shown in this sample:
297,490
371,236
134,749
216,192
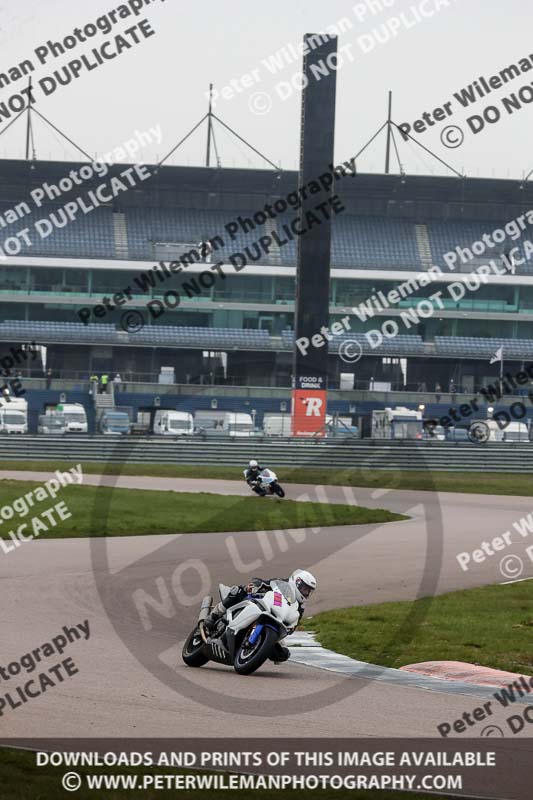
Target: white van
173,423
516,432
397,423
341,426
14,416
277,424
240,425
496,433
114,422
75,417
52,423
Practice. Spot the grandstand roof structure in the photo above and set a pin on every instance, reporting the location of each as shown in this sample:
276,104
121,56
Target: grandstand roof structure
428,196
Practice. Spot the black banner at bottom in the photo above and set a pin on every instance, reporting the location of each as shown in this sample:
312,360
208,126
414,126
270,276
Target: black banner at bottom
493,769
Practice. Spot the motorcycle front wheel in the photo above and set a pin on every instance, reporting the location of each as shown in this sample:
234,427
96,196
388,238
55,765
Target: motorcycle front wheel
249,657
278,490
192,652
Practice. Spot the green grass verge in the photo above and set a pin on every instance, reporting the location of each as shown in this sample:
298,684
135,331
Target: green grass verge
466,482
100,511
21,779
489,626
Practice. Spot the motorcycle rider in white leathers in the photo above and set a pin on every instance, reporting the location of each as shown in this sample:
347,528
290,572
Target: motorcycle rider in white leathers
253,476
302,582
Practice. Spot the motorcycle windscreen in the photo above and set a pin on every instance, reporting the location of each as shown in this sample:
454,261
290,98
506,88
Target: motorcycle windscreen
286,590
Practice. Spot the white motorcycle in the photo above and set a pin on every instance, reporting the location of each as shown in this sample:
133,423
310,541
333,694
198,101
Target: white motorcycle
267,483
245,636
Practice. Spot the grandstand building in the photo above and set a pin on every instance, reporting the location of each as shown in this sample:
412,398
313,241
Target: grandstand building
75,291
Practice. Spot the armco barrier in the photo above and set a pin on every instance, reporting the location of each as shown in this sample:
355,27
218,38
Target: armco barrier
401,455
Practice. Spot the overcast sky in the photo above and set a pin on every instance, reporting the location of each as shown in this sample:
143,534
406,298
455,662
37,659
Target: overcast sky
164,79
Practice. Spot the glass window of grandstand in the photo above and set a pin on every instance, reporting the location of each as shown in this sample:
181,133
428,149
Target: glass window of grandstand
13,279
524,330
9,311
76,281
350,292
275,324
109,281
525,299
436,326
485,329
48,312
494,298
250,322
254,289
284,290
47,279
183,319
59,281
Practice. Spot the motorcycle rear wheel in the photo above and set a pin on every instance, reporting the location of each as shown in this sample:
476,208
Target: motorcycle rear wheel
248,660
192,653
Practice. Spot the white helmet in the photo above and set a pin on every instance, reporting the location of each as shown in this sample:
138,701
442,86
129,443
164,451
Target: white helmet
304,584
253,464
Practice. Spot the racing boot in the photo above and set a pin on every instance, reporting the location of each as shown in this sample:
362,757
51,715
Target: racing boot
211,621
235,595
279,654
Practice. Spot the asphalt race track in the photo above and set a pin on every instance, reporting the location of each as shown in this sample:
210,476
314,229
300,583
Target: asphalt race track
123,688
